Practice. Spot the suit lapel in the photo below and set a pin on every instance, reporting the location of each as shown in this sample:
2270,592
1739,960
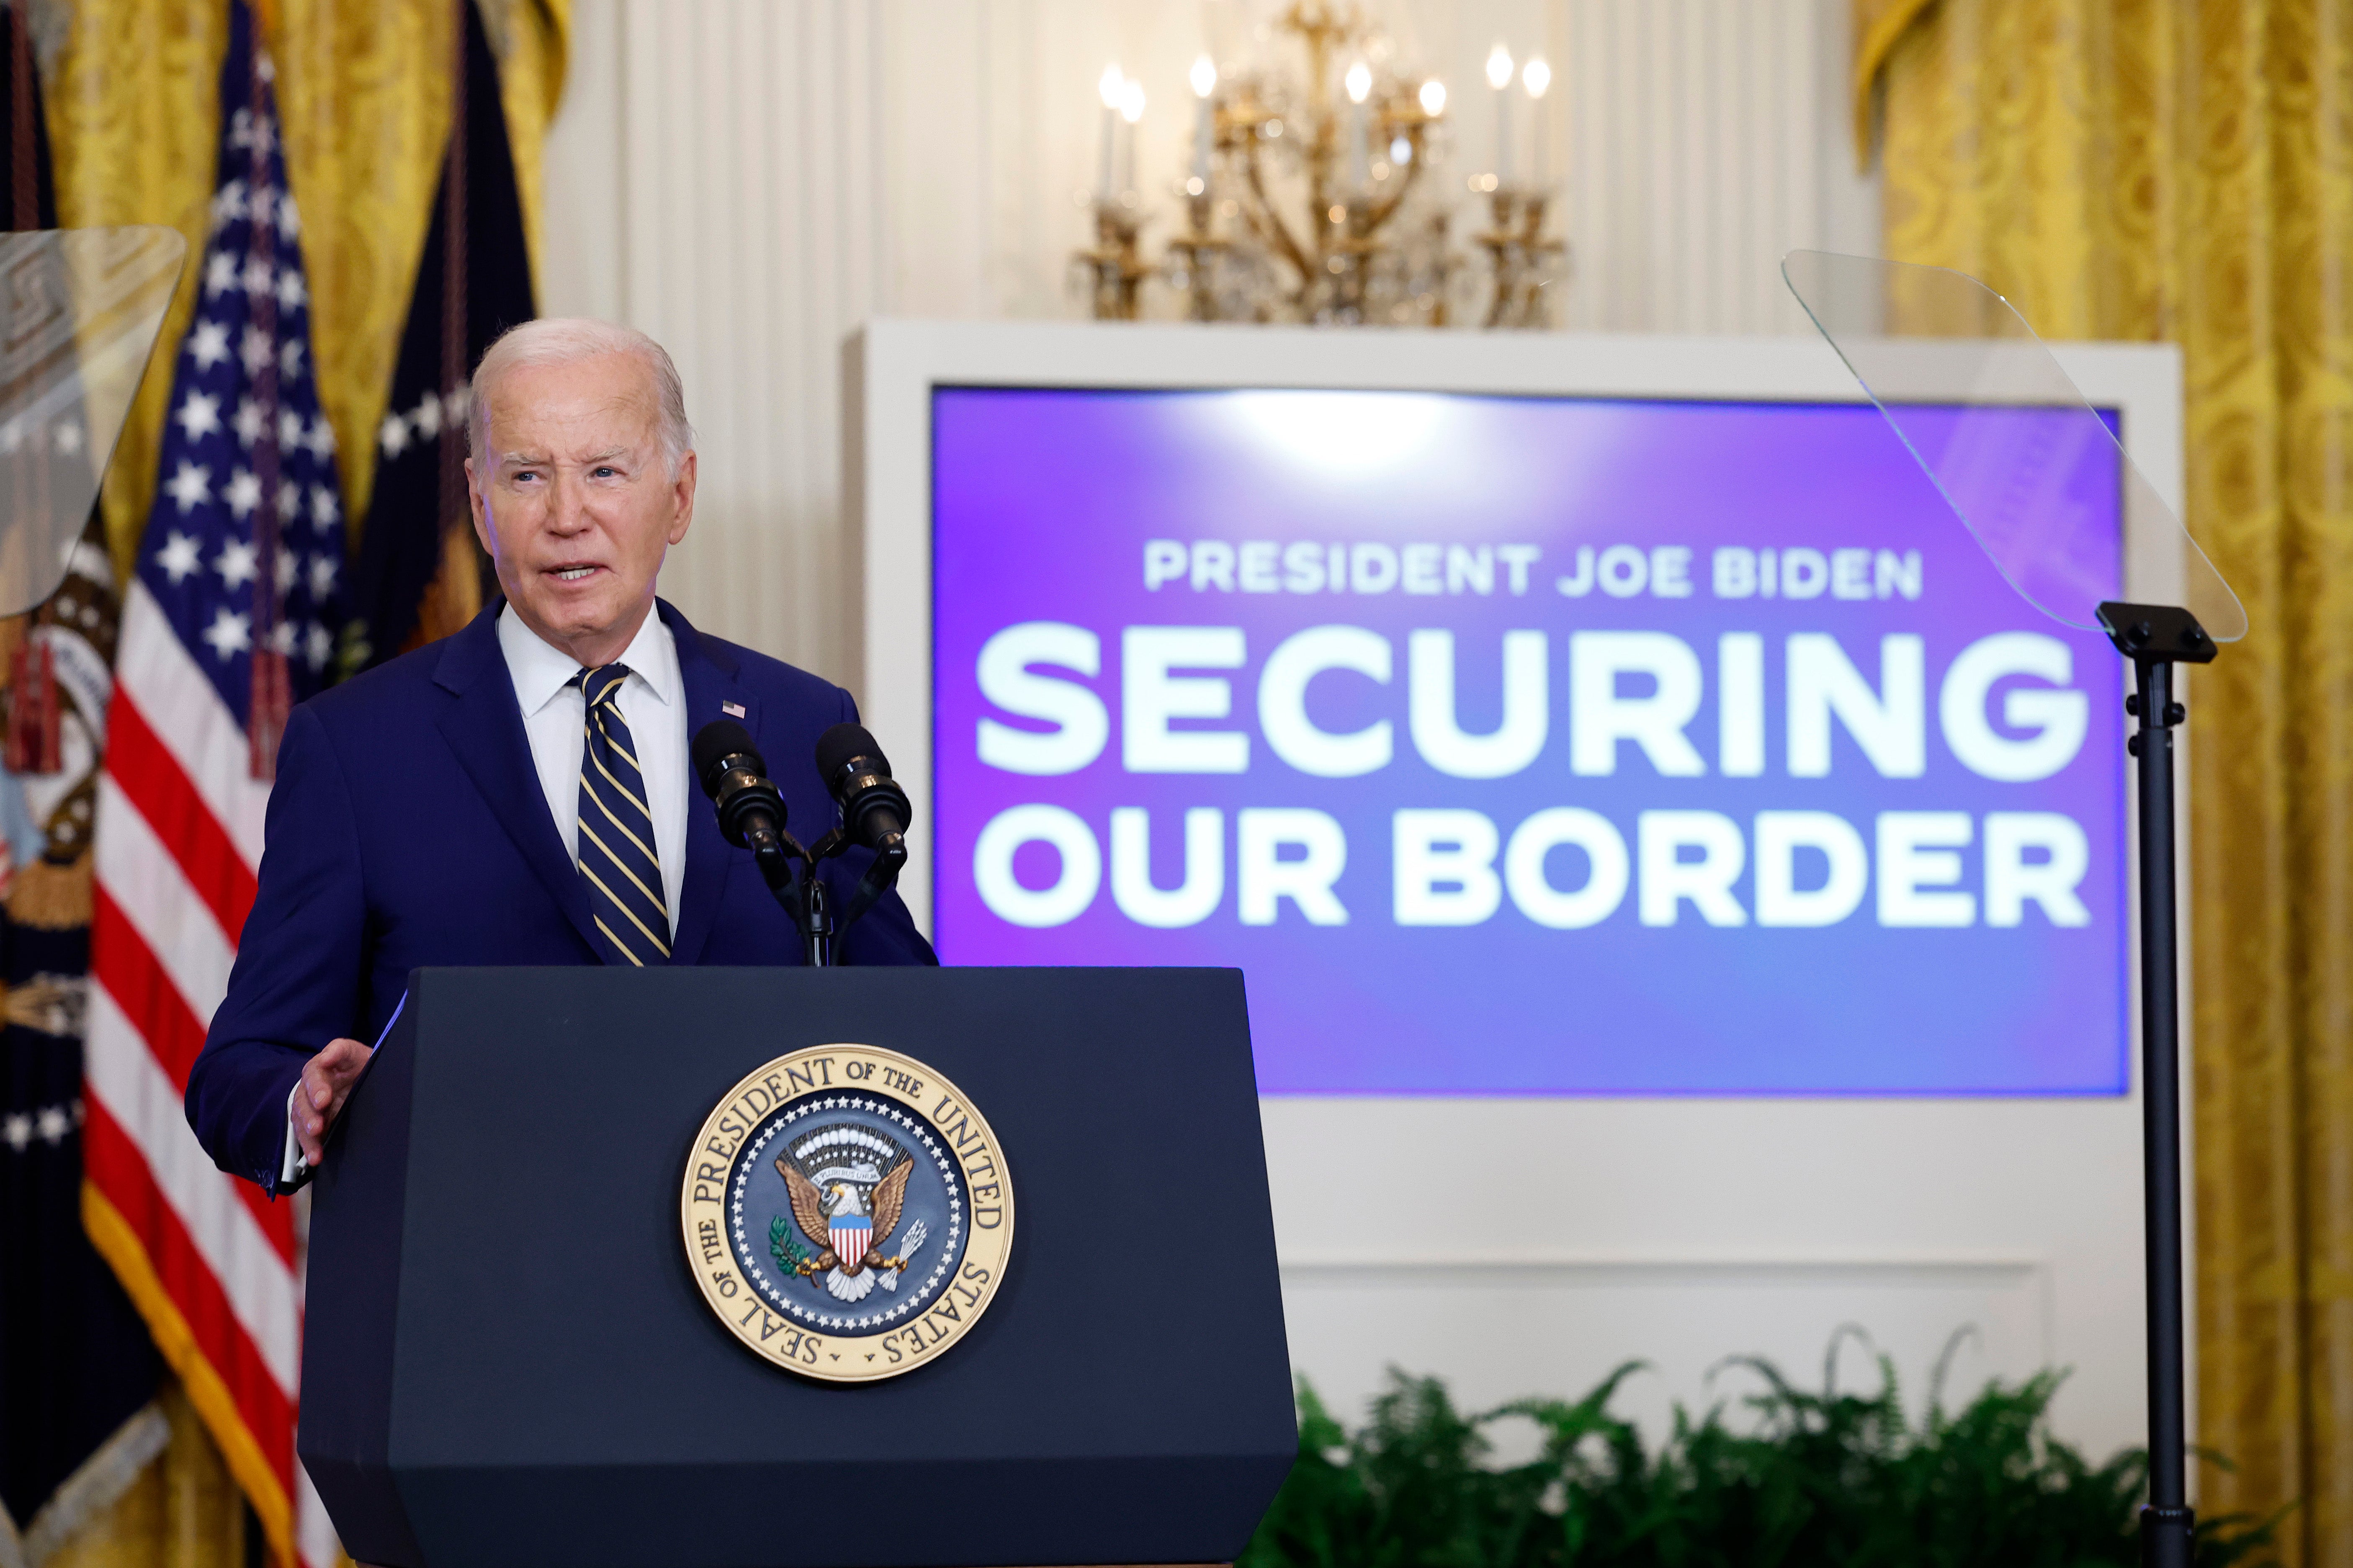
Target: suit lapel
709,673
484,728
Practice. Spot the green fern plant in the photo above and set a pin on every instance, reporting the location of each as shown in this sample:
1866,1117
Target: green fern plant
1813,1481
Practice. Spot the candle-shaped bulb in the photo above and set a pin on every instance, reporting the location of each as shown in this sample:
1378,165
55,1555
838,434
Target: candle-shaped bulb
1535,77
1359,83
1109,84
1205,123
1433,97
1499,69
1131,101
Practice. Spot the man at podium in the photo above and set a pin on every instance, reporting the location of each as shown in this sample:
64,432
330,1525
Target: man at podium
520,792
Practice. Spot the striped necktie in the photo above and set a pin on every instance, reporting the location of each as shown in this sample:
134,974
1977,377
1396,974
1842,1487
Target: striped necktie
616,830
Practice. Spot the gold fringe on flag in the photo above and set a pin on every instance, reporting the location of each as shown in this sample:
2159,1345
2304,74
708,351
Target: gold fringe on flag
120,1245
49,897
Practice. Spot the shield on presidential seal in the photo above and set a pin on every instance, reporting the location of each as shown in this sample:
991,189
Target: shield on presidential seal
850,1233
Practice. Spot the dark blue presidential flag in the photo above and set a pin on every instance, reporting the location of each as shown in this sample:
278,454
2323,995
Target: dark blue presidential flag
420,575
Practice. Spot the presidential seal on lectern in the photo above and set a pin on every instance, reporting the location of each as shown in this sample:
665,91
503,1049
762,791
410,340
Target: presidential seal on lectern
847,1212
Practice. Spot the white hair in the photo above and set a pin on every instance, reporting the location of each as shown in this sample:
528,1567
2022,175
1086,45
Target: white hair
566,340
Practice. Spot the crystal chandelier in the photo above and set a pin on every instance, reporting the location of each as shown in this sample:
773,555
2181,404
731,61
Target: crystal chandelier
1315,195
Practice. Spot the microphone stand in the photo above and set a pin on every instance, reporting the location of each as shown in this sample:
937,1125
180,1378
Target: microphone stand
817,930
809,902
805,900
2156,637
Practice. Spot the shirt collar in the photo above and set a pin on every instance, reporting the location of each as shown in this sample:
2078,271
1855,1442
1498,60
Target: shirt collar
540,669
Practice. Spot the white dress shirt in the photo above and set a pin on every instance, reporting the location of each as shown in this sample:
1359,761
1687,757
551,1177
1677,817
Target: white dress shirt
555,716
554,719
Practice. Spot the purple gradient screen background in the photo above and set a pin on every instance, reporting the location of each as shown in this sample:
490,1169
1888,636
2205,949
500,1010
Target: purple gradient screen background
1044,499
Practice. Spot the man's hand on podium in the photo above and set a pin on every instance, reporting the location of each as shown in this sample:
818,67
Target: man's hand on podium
319,1099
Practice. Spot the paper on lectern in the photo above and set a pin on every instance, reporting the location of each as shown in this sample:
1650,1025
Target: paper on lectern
80,312
1969,390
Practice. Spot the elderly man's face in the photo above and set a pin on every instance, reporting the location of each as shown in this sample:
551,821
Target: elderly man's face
575,499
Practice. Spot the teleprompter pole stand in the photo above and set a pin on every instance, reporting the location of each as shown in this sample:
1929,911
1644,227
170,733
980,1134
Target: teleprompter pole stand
2156,637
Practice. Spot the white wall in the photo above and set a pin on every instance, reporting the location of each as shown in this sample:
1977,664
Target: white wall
748,180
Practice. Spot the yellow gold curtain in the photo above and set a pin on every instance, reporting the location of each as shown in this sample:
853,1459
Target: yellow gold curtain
363,91
2183,170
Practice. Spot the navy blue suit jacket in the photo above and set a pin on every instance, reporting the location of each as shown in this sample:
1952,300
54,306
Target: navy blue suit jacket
407,827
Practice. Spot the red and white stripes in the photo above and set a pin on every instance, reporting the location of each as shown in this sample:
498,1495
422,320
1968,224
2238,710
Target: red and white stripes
210,1261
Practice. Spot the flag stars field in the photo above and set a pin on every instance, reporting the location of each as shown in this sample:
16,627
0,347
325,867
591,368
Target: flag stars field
235,564
244,492
191,486
199,416
178,557
252,318
230,633
208,343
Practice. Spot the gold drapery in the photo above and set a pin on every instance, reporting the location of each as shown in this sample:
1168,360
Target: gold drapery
363,91
2183,170
133,107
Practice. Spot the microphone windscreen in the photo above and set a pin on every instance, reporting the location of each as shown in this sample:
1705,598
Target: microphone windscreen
714,743
844,744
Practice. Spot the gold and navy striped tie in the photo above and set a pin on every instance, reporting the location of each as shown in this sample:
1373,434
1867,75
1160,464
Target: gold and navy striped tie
616,830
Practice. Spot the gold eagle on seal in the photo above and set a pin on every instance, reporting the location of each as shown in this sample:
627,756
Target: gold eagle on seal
847,1231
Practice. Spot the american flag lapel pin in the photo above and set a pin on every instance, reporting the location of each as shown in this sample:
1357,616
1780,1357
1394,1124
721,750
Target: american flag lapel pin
733,710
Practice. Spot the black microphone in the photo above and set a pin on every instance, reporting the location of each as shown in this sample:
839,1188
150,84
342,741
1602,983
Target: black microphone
874,809
735,777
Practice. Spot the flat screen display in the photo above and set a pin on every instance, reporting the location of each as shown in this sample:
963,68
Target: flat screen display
1527,745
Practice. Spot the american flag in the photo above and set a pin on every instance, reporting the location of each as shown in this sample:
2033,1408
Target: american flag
224,625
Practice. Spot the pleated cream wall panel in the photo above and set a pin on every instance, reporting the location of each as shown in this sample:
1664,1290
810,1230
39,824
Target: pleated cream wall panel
748,180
